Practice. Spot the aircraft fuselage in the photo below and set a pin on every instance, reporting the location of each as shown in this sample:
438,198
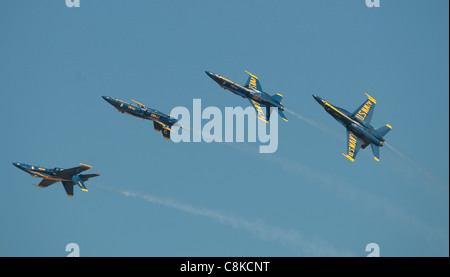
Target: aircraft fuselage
41,172
361,129
245,92
140,111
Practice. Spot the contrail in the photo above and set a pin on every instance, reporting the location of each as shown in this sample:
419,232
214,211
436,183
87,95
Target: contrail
410,161
347,192
315,124
420,168
287,238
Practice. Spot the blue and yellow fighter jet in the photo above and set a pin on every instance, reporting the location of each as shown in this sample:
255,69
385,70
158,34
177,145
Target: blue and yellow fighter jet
252,91
359,131
69,177
161,122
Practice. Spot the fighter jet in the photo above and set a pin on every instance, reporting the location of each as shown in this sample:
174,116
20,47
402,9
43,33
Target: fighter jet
359,131
161,122
69,177
252,91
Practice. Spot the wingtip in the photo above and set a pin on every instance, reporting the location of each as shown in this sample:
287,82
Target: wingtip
348,157
371,98
86,165
38,186
262,119
376,159
251,74
389,126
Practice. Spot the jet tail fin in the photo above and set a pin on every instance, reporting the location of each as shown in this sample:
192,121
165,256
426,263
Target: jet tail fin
277,97
79,182
383,130
376,152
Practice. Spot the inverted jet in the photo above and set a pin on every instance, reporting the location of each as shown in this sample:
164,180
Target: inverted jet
161,122
359,131
69,177
253,92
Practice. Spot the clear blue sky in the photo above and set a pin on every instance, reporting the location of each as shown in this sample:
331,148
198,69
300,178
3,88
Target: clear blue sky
200,199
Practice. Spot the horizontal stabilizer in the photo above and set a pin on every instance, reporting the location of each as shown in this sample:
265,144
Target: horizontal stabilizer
166,133
383,130
282,115
376,152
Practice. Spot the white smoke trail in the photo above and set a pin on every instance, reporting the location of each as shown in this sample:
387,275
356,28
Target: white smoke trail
287,238
344,190
316,124
419,168
415,165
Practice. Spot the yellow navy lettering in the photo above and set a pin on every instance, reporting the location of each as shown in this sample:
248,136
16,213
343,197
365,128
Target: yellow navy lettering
351,144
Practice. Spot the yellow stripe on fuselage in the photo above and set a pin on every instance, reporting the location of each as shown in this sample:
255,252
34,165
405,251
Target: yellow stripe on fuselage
326,103
223,78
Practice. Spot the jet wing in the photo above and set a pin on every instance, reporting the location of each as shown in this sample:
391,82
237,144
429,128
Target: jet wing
365,111
353,146
68,186
253,82
258,108
45,183
75,170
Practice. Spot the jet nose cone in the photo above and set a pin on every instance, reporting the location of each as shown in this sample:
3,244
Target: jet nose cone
318,99
16,165
108,99
210,74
